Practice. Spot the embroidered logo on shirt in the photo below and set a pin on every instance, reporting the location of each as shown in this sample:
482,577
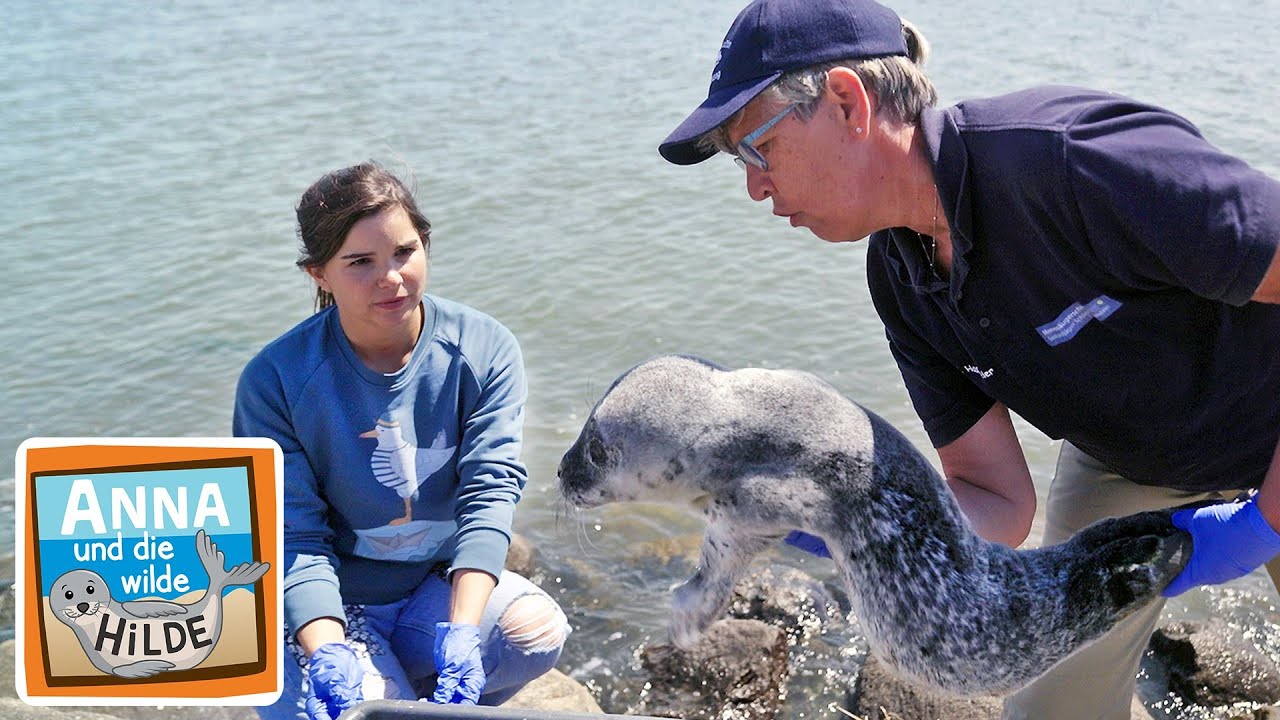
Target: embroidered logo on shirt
984,374
1076,317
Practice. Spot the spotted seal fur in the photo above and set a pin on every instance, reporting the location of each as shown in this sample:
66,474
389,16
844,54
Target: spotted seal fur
763,452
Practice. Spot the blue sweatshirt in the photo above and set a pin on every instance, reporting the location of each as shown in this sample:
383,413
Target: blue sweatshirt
388,475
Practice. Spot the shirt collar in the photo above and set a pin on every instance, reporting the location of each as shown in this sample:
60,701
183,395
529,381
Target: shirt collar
913,261
949,159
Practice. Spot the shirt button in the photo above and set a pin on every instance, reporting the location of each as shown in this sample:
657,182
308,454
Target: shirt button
984,323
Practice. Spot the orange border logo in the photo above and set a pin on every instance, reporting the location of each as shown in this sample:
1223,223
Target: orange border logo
149,571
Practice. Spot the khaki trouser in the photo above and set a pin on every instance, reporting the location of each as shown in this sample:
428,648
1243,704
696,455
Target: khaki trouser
1097,682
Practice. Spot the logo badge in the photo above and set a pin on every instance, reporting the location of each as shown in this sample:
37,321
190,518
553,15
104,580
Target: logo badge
715,71
149,571
1070,322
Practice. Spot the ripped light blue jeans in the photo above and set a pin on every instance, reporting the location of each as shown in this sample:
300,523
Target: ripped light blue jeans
523,631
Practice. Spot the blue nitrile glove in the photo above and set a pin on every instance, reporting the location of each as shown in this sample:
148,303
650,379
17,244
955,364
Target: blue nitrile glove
461,673
808,543
335,674
1227,542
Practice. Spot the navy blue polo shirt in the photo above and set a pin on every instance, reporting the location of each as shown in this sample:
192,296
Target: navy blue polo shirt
1104,257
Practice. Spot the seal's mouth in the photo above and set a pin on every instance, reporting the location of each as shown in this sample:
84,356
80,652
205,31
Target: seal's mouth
584,499
74,612
580,483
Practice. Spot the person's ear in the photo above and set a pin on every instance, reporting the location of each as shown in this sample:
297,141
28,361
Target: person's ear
851,98
317,273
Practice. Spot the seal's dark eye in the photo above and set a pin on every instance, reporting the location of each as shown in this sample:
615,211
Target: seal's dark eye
89,589
70,594
595,449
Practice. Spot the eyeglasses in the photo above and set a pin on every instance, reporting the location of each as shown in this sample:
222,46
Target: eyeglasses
747,152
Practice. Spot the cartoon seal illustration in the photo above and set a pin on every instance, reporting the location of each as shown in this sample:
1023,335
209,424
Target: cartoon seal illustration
140,638
764,452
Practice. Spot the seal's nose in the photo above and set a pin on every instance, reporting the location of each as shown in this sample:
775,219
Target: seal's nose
82,607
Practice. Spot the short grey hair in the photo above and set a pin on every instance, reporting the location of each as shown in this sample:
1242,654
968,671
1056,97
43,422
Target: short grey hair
901,89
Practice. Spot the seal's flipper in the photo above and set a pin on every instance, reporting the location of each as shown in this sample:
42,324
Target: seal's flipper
142,668
212,559
1146,547
153,608
1128,571
247,573
214,564
1104,532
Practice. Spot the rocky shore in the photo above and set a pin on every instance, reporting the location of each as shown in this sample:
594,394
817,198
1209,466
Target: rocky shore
741,669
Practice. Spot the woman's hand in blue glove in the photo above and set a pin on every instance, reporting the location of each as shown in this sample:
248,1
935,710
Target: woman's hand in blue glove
335,675
808,543
458,664
1227,542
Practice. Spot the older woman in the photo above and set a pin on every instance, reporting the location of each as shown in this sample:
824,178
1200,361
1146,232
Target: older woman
1085,260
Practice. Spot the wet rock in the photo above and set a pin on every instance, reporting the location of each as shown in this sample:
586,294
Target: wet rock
521,556
555,692
14,709
1264,713
1213,664
668,556
8,600
737,672
7,667
784,597
878,690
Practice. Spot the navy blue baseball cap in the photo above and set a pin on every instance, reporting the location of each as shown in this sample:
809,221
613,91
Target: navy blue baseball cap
770,37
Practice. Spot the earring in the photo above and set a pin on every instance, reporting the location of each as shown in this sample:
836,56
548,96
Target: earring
858,130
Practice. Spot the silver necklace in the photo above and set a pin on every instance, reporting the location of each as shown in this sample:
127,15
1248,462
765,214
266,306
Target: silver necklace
932,250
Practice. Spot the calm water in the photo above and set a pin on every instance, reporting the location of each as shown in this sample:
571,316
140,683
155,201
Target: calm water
150,157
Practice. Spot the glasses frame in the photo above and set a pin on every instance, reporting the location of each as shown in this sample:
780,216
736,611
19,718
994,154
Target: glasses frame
747,152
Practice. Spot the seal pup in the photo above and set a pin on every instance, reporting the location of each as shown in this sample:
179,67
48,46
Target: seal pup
141,638
763,452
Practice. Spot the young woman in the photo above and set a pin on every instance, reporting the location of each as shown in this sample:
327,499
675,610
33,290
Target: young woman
400,417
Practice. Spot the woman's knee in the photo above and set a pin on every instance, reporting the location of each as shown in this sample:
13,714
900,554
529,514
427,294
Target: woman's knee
534,624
